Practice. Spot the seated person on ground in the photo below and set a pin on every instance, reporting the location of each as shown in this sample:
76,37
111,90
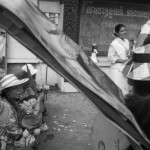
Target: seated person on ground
26,118
12,131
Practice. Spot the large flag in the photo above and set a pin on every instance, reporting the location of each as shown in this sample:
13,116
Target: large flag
27,24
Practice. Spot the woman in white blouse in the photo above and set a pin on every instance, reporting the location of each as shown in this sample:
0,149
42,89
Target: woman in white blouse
118,53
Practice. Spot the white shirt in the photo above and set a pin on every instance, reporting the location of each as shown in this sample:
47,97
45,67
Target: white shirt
118,49
93,57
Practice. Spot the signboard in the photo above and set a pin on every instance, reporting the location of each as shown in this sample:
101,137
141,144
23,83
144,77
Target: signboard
99,18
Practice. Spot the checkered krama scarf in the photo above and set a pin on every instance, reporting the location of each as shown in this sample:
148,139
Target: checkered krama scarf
140,64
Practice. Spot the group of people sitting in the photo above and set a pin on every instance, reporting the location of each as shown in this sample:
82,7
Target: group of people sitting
21,109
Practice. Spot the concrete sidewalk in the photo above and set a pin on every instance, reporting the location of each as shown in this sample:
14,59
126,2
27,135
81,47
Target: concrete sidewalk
70,118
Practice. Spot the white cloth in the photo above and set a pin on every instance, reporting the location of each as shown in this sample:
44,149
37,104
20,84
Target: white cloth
145,28
120,80
118,49
93,57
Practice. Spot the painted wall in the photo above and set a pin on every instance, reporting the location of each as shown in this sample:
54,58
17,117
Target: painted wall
47,6
17,53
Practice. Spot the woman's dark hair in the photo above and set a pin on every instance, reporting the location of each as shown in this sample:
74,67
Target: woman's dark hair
117,29
3,94
20,75
10,100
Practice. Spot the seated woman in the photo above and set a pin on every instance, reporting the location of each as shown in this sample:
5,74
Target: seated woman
11,130
32,89
28,114
31,97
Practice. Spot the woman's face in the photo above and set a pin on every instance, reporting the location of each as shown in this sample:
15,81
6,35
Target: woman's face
15,92
122,33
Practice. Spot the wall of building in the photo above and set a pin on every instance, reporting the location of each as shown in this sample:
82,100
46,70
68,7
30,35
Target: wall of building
18,55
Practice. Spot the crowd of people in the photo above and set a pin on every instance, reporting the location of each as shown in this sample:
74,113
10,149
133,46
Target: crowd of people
21,109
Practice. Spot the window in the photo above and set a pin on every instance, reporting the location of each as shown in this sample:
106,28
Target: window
53,17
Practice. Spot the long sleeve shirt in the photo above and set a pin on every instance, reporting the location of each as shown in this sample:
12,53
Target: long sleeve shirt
118,49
